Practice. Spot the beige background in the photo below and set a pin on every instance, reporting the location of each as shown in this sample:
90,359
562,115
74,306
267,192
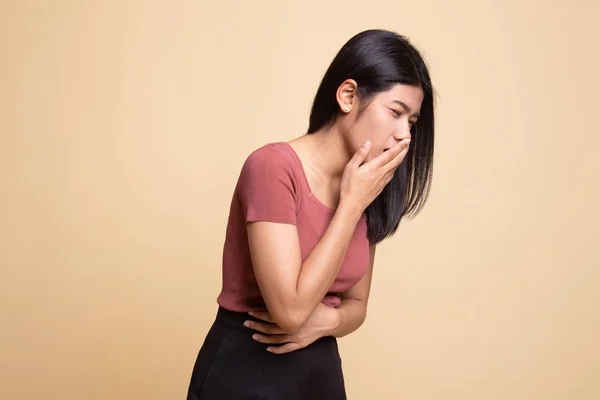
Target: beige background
124,125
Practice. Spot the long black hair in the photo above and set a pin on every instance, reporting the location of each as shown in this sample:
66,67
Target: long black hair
378,59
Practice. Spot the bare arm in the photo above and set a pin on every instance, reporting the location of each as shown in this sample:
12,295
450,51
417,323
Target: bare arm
292,289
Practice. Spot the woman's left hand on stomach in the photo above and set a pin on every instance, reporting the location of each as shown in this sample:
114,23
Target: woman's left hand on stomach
322,322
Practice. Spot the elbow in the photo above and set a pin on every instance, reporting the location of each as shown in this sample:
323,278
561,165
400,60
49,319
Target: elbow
290,327
289,321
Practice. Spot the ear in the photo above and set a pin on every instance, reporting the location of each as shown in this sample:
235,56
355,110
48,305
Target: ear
347,96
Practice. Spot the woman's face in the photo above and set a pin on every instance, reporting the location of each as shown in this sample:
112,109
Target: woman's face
385,121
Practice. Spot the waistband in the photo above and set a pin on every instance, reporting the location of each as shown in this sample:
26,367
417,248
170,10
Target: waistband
234,319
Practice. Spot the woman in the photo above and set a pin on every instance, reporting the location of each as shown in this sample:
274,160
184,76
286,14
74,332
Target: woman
304,223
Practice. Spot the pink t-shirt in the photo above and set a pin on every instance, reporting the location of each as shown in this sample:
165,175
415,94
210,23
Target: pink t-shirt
272,187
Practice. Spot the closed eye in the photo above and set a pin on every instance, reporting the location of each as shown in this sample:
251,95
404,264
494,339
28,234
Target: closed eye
396,113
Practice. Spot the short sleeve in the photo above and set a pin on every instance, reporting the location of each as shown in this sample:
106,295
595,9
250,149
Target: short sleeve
266,187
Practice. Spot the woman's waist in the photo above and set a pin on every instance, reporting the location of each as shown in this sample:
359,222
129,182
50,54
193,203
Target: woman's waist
235,320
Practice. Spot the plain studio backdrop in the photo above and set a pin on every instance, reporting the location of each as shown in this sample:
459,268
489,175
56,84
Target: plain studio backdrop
123,128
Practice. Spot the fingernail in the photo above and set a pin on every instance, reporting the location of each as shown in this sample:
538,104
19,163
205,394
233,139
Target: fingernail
246,323
254,337
366,144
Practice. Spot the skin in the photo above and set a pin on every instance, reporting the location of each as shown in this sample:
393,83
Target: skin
346,175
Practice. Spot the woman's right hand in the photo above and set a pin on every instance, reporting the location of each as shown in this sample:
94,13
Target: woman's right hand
361,184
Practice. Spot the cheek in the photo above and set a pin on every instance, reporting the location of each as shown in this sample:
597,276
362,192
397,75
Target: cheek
380,127
376,119
376,126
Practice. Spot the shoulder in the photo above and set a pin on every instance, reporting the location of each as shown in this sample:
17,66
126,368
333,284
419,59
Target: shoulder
268,183
271,158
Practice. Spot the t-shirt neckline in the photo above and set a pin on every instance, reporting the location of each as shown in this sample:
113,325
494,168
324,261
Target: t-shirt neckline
304,178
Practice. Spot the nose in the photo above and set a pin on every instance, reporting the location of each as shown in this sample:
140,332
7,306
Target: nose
402,133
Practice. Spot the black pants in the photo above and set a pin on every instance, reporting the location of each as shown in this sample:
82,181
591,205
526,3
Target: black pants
233,366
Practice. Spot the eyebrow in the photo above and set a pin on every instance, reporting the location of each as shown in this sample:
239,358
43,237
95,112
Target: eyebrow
406,108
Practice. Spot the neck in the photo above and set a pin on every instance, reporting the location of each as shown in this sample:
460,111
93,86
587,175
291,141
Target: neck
328,152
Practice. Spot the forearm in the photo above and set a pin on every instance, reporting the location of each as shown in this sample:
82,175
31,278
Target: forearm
321,267
351,314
